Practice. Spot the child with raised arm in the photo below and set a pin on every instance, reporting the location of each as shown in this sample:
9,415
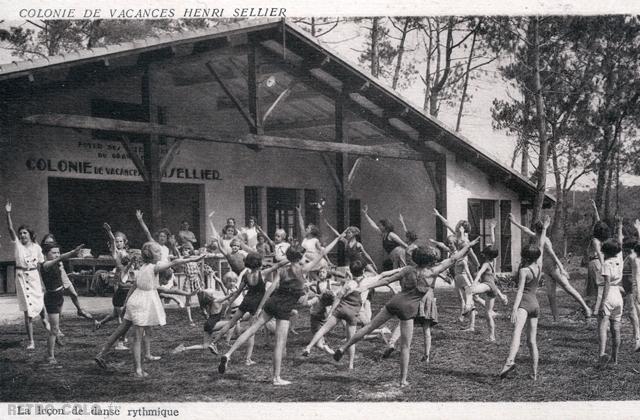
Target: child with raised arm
54,292
611,303
66,283
484,283
193,278
278,302
553,268
353,249
391,242
310,241
525,309
252,279
144,308
28,255
600,233
347,305
406,305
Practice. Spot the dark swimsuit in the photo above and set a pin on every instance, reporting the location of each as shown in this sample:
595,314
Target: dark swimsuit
54,294
349,308
529,301
255,293
406,304
286,297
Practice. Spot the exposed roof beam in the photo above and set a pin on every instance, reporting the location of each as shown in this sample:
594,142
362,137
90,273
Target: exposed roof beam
105,124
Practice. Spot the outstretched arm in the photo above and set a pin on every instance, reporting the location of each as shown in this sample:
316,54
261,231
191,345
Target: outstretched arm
12,232
271,243
384,279
445,264
595,210
444,221
164,265
404,226
440,245
144,227
367,257
365,211
311,265
214,232
394,237
522,279
62,257
274,267
524,229
326,222
492,230
619,231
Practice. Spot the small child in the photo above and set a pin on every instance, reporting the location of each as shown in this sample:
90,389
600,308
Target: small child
193,278
236,257
262,247
611,303
54,292
319,305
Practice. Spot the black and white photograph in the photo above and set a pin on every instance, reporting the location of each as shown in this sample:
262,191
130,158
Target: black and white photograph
206,205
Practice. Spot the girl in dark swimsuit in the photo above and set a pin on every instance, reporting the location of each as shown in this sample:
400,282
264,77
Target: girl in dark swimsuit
391,242
406,305
278,302
526,309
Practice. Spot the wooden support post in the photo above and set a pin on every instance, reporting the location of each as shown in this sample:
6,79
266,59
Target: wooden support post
441,195
152,153
342,199
252,84
246,115
124,139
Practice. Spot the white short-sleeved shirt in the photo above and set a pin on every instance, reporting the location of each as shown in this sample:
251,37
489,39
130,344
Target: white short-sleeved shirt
280,253
612,268
28,256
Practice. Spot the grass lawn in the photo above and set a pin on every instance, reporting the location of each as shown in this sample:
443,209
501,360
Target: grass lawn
463,366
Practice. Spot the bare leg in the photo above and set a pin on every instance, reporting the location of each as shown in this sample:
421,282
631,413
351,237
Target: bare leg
461,297
113,315
521,318
603,325
532,332
146,339
564,282
491,319
250,343
137,350
292,321
633,316
551,294
248,333
426,329
615,340
28,324
230,324
54,320
636,308
351,330
187,304
380,318
119,332
328,326
405,349
282,330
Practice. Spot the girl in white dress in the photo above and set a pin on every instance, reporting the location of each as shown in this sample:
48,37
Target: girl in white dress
28,255
144,308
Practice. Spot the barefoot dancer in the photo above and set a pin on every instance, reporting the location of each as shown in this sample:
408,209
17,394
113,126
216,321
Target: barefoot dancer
278,302
553,268
415,283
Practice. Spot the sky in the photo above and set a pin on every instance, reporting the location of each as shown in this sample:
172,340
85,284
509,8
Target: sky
476,124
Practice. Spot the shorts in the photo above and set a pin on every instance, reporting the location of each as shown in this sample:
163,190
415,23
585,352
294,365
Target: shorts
281,303
614,304
347,313
119,297
250,303
210,323
316,321
429,311
53,301
405,305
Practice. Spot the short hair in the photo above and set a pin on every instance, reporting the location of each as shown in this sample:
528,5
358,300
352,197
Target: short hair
147,252
357,267
610,248
227,227
253,261
387,265
32,233
411,236
601,231
313,230
629,244
295,253
466,227
452,239
530,254
387,225
281,232
490,253
123,236
46,237
48,247
166,231
327,297
230,276
354,230
424,255
235,241
252,218
261,236
636,248
187,246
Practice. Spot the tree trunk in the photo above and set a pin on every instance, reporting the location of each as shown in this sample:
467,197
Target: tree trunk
396,73
427,73
557,233
607,191
603,165
541,124
466,80
375,31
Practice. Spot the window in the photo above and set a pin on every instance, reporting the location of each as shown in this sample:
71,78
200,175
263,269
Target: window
252,206
505,236
311,212
281,210
481,214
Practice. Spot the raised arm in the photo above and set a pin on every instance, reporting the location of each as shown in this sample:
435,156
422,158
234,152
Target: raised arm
595,210
326,222
524,229
367,257
12,232
394,237
311,265
164,265
445,264
144,227
480,272
444,221
492,230
214,232
372,223
62,257
404,226
301,228
384,279
440,245
619,230
269,241
274,267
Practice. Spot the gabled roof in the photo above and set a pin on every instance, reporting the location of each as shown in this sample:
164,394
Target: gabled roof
420,125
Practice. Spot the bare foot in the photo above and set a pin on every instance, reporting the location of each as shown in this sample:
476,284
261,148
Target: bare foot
280,382
492,339
404,384
249,362
140,374
151,358
31,346
470,329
